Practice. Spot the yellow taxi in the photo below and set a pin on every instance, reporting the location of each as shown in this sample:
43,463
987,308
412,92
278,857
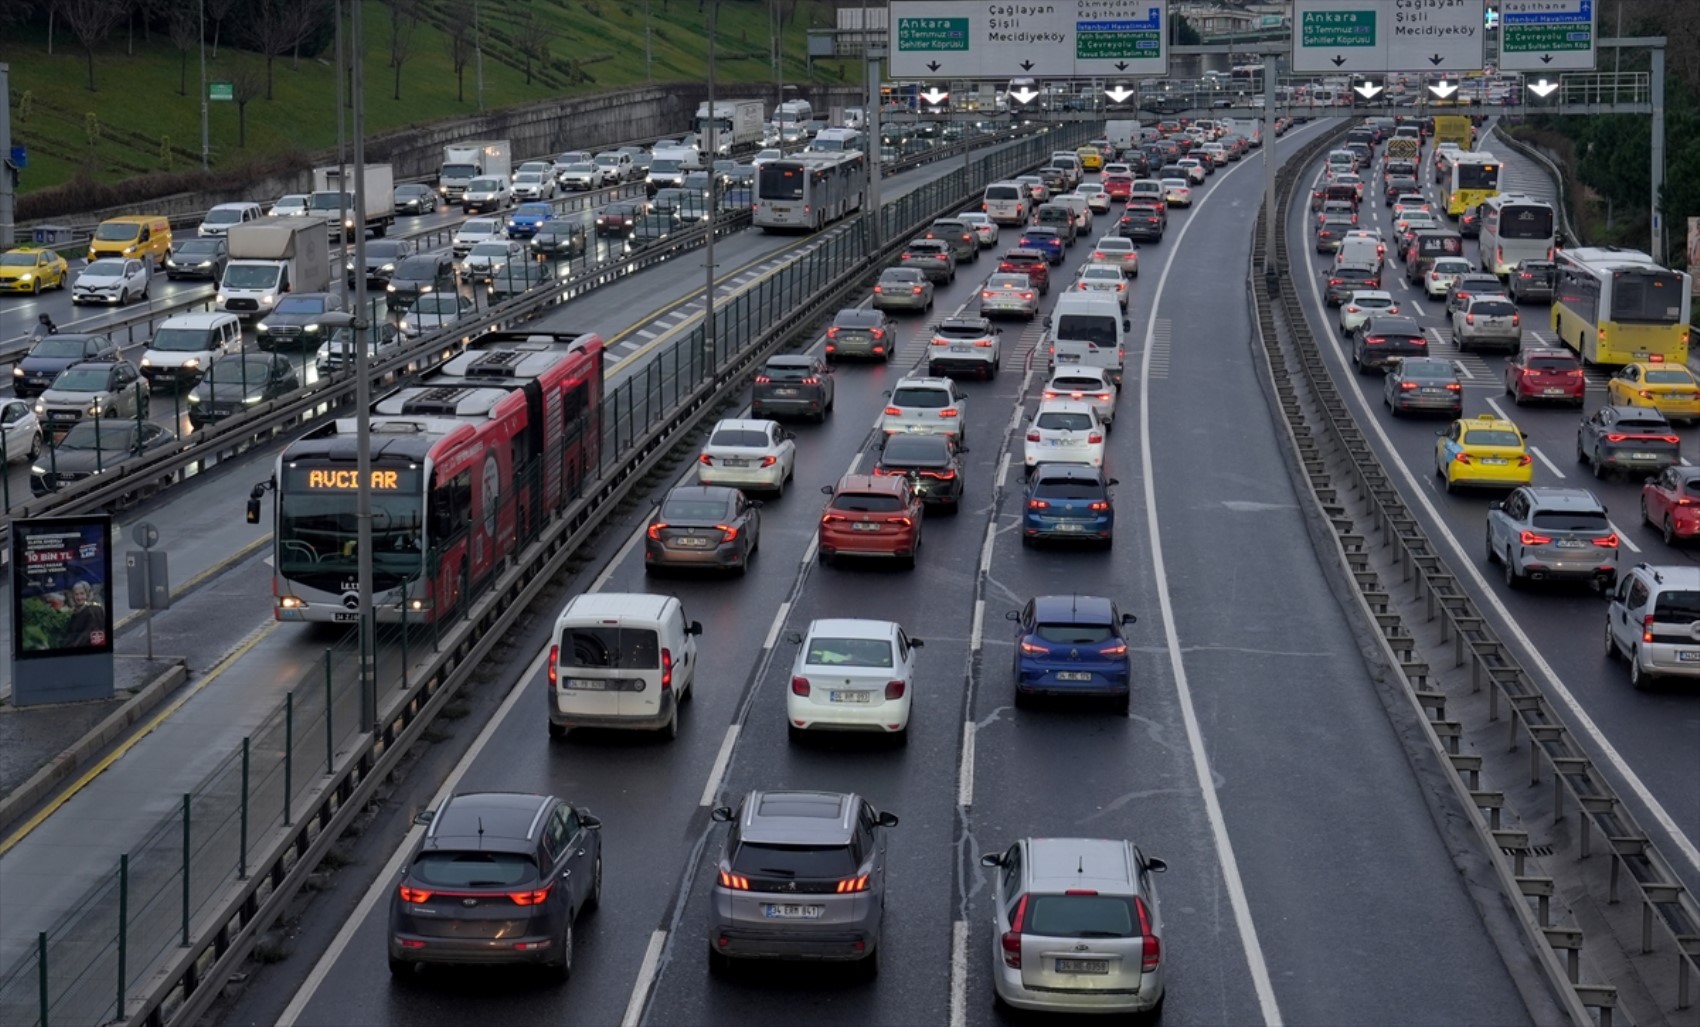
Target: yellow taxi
1485,450
31,269
1668,388
1090,158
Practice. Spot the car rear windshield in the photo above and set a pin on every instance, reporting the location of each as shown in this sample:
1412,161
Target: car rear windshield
857,318
1074,634
916,450
922,398
788,372
796,861
1677,605
950,331
1068,489
1063,420
473,869
867,502
1081,916
1003,192
1492,437
609,647
694,510
1671,377
849,652
1094,328
1552,364
739,437
1571,520
1493,309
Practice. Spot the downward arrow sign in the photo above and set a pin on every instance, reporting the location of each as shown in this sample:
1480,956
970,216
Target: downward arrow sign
935,96
1026,65
1024,95
1337,60
1443,89
1121,65
1436,59
1546,58
1543,88
934,66
1367,90
1118,94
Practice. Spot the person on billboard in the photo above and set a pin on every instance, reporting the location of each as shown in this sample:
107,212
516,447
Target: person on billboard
87,626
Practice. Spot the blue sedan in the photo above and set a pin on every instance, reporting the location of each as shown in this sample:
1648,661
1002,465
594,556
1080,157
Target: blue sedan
1071,645
525,219
1046,240
1069,502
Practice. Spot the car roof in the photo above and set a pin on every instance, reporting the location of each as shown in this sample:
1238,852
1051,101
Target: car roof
798,817
1066,472
1393,323
721,493
1081,371
500,821
1488,421
922,381
852,627
790,360
1063,406
742,424
1021,254
1098,864
858,315
1076,609
595,606
1629,413
1553,497
869,483
1670,576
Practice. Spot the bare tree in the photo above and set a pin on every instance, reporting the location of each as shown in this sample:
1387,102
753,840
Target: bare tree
404,22
276,27
92,21
185,26
246,84
217,11
459,43
532,36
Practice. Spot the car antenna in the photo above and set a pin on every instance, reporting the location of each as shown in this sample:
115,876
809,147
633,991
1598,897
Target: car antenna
480,832
1080,867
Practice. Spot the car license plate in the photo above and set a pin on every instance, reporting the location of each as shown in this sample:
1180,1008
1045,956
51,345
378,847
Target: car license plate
345,616
851,697
1069,526
864,527
1642,456
1552,392
1688,656
733,461
1069,358
691,542
1074,675
1083,966
1571,543
1494,461
586,684
962,349
784,392
791,911
1434,392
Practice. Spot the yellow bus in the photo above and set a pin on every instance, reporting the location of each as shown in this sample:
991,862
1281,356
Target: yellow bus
1615,306
1474,180
1454,128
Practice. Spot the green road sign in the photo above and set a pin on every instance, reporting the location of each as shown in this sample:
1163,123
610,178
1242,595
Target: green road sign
221,90
1544,38
939,34
1112,45
1337,28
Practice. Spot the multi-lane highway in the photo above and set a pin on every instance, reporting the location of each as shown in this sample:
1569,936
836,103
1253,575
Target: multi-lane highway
1643,740
1307,883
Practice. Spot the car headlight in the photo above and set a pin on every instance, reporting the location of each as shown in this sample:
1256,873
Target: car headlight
94,409
312,328
251,400
147,362
194,398
26,276
387,267
38,469
17,371
389,288
262,328
40,409
267,299
406,325
190,364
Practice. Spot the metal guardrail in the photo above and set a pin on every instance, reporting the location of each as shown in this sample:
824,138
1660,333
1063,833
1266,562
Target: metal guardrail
153,943
1324,431
1565,224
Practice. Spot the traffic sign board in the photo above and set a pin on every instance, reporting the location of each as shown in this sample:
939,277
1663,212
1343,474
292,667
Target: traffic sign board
1547,35
221,91
1376,36
1063,39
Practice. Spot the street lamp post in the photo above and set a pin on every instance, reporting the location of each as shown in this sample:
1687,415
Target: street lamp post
363,389
708,342
875,54
206,148
341,148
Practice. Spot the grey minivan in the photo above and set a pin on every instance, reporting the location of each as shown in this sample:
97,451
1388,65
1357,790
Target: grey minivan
1059,217
802,877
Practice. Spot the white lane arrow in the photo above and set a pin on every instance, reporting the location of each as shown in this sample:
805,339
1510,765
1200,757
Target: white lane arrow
1443,89
1024,95
935,96
1367,90
1118,94
1543,88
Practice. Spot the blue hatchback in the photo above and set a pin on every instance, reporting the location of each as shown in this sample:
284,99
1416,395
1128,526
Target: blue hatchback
525,219
1046,240
1068,502
1071,645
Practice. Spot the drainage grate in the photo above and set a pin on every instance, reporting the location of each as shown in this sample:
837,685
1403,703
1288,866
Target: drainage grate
1532,850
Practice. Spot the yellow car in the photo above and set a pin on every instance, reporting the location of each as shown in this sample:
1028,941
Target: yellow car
1484,450
1668,388
31,269
1090,158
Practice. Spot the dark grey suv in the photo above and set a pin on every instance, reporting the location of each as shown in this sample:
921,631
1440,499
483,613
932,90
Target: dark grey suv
802,877
499,877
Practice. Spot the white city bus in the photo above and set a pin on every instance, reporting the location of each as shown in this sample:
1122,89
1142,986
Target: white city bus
1514,229
809,191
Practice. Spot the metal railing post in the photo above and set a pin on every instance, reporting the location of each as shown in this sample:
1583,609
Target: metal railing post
330,700
123,928
288,755
41,973
186,853
242,854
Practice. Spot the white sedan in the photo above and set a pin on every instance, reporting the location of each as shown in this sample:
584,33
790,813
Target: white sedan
1087,385
1364,304
1177,192
852,675
1064,431
746,453
1105,278
435,312
474,231
1442,273
1096,198
985,229
22,430
111,280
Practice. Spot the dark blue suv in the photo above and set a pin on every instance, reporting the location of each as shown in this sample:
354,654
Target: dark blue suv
1071,645
1068,502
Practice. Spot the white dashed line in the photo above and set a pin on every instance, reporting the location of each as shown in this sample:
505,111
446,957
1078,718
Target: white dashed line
646,976
778,622
712,787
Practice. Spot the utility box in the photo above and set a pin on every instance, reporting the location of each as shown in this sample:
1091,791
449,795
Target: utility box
52,235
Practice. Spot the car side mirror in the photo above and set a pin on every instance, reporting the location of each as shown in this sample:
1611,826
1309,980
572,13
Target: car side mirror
1649,480
1113,481
991,859
887,819
694,628
1496,505
425,817
757,503
656,500
917,643
1128,618
1155,865
1127,325
591,822
721,815
826,490
794,637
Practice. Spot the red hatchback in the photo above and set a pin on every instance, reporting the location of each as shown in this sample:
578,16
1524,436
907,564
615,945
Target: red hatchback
1545,376
1118,187
1671,503
871,516
1032,263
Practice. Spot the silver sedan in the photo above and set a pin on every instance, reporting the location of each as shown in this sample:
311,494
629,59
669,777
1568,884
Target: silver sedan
903,288
1009,295
1113,249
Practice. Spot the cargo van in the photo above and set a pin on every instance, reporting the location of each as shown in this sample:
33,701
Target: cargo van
1148,189
144,236
621,660
1060,217
1007,203
1069,161
1426,248
1088,330
1361,249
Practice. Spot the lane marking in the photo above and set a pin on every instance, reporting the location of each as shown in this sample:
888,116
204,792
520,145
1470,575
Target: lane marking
958,973
619,557
986,546
718,773
965,772
1003,470
778,622
814,544
646,977
1623,537
1548,464
977,632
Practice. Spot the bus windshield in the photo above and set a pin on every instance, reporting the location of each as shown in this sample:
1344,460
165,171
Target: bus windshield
1525,222
1646,297
316,535
779,181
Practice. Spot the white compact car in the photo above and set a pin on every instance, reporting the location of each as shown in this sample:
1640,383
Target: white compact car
21,429
1442,273
1105,278
486,193
852,675
534,185
985,229
746,453
1086,385
111,280
1364,304
1064,431
474,231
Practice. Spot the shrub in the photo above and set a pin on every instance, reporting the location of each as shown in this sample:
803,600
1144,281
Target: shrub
82,193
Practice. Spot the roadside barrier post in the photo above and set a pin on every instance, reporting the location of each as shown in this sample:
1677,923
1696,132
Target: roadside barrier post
41,973
330,700
242,852
186,854
288,755
123,926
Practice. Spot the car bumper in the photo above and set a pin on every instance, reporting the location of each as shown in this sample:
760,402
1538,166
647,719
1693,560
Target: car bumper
1044,681
659,554
1007,983
1620,460
1511,341
171,375
1546,569
741,477
1008,308
1142,231
1033,456
877,718
1095,529
881,544
18,285
1676,410
857,348
413,948
85,296
835,944
962,362
1507,477
1526,395
648,722
1662,659
899,301
782,405
1452,402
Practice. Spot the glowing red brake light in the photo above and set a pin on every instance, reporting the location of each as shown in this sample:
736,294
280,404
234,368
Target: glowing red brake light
1038,504
1529,538
1646,636
1152,951
666,669
858,883
554,657
737,882
656,529
534,897
417,895
1608,542
1011,941
894,690
762,379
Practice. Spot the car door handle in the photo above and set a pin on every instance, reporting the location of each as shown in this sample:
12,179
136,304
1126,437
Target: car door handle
566,873
581,852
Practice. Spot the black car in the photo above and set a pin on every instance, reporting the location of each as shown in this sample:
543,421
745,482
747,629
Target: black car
33,375
1636,439
1459,293
618,219
559,239
383,256
1380,341
238,381
860,332
298,320
414,198
417,276
203,256
793,383
1138,163
498,877
1331,229
1470,223
94,446
1398,186
1345,279
930,462
1532,281
1426,384
651,229
703,526
1144,219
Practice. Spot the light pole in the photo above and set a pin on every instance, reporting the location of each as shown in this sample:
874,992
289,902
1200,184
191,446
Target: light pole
478,48
363,389
341,148
876,144
708,344
206,147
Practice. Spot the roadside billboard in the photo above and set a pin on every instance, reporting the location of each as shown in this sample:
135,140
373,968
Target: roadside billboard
61,587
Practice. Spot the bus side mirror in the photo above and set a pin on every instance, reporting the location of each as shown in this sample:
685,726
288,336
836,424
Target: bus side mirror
253,510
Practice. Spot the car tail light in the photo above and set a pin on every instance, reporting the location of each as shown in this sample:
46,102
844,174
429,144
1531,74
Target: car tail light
737,882
902,522
877,289
1100,395
418,895
1012,938
554,657
937,341
1117,649
1026,295
949,412
1608,542
946,475
730,531
1033,648
666,669
832,518
1462,458
1152,952
1529,538
894,411
1094,438
1375,340
830,348
656,529
986,294
800,686
1098,505
1351,308
762,379
878,333
1454,387
895,690
1646,629
811,380
769,461
533,897
1038,504
853,884
706,460
832,333
1645,394
1525,460
1407,386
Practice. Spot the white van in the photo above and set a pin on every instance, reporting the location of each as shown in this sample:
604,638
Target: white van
1069,161
1360,250
184,346
621,660
219,218
1007,203
1087,329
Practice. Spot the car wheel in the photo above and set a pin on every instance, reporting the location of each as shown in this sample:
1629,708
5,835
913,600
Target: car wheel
1670,532
719,964
1638,678
1581,457
1492,556
670,730
1597,466
869,968
35,446
1022,699
557,730
400,968
1513,580
146,402
1645,519
595,899
563,968
123,297
900,739
1612,652
794,735
35,287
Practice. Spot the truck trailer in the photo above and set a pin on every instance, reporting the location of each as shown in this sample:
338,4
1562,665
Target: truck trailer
738,125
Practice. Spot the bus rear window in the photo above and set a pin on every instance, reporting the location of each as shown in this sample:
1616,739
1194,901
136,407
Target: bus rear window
780,182
1648,297
1525,222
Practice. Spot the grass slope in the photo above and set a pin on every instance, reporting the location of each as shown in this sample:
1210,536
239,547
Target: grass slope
137,121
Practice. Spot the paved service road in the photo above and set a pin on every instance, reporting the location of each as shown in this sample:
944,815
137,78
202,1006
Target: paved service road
1254,731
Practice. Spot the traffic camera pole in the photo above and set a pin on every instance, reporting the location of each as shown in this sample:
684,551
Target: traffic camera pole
876,147
710,351
363,387
1271,219
7,221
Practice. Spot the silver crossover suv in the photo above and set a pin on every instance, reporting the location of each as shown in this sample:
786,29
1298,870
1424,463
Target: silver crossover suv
1076,926
802,877
1545,533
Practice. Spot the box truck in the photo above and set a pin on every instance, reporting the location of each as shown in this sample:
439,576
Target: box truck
332,184
463,162
738,125
271,257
